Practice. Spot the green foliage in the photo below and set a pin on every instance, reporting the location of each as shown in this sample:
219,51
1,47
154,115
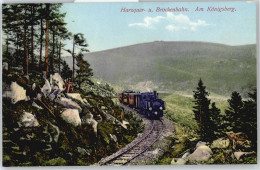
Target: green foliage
202,112
177,66
84,72
179,110
216,120
66,72
234,112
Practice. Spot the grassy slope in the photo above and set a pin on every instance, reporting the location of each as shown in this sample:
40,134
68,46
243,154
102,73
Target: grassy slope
179,108
178,65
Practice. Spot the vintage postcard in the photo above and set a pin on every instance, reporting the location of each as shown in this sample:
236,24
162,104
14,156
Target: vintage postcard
114,84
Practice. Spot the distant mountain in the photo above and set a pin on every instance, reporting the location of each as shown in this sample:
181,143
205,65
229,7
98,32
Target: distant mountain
177,66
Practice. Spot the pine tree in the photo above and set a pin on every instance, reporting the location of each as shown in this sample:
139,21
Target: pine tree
234,112
249,118
66,72
84,71
201,111
216,119
78,40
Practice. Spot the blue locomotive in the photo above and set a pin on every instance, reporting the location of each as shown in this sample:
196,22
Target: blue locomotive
146,103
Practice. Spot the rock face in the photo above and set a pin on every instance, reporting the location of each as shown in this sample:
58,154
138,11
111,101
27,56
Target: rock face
28,120
220,143
202,153
46,89
54,94
68,103
16,93
71,116
75,96
239,155
88,119
57,82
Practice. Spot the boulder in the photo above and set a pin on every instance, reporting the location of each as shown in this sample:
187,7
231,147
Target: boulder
200,143
220,143
46,89
68,103
57,82
52,131
239,155
178,161
88,119
37,106
28,120
75,96
16,93
54,94
71,116
5,66
202,153
185,155
33,86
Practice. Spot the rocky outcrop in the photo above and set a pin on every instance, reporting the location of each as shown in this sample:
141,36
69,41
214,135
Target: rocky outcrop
28,120
220,143
239,155
75,96
36,105
46,89
57,82
202,154
16,93
54,94
71,116
88,119
68,103
178,161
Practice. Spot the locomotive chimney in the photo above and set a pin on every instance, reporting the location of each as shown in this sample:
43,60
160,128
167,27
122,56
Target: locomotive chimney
154,93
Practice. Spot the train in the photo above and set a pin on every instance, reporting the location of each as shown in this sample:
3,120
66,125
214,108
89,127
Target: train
146,103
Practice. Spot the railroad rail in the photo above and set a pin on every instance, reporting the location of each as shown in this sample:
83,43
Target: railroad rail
147,139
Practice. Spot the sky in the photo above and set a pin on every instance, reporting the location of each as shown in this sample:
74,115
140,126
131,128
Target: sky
105,26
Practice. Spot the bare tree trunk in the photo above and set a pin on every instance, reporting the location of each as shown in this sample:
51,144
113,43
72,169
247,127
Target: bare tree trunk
73,57
25,44
59,57
40,62
53,51
47,40
32,34
7,45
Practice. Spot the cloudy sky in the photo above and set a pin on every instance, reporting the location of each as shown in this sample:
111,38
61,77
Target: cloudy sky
105,26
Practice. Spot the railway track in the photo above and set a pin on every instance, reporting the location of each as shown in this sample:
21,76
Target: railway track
148,138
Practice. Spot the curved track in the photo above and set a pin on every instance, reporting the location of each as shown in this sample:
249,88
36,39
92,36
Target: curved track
148,138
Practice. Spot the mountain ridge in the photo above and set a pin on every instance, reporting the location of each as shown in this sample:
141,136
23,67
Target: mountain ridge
177,66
